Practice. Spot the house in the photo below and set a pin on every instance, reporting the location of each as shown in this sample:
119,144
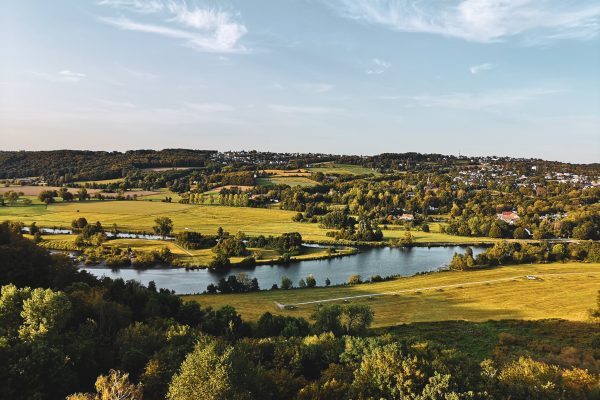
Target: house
510,217
406,217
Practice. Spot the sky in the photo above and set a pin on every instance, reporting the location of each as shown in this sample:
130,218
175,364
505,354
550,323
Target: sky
473,77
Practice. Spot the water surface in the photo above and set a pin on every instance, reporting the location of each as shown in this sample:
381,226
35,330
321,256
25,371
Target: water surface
378,261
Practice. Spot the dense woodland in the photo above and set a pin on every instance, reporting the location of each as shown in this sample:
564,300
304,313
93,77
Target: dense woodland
64,332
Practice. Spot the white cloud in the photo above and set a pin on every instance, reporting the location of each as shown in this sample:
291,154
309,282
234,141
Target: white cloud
481,20
303,109
62,76
475,69
378,67
142,6
475,101
203,29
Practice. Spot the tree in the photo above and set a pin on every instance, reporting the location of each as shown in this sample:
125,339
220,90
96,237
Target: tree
354,279
82,194
213,371
64,194
311,281
79,223
163,227
44,314
286,283
585,231
327,319
495,231
520,233
356,318
407,240
388,372
46,196
115,386
12,197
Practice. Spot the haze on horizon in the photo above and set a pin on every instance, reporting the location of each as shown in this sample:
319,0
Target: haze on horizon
476,77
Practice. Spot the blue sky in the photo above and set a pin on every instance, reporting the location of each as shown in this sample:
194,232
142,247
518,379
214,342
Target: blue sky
479,77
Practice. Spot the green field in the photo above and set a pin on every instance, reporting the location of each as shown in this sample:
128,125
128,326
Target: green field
342,169
100,182
175,197
139,216
564,291
286,180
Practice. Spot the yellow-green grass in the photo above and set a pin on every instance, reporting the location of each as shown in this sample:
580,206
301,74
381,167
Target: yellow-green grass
564,291
139,216
100,182
162,193
57,242
342,169
433,236
285,180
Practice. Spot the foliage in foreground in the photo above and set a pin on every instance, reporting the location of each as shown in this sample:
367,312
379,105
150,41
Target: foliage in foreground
60,329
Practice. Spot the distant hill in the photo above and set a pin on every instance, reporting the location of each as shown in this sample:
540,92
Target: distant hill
84,165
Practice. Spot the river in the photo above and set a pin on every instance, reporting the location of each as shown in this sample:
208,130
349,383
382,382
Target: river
375,261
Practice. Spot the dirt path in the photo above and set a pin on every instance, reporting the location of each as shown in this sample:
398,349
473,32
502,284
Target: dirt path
184,250
538,276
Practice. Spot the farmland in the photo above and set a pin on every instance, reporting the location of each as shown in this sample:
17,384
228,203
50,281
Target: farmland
286,180
139,216
299,177
499,293
342,169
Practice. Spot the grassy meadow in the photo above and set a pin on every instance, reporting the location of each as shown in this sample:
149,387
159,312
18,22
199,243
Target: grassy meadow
139,216
342,169
564,290
285,180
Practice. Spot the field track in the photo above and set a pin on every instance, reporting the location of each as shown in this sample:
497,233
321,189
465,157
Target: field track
456,285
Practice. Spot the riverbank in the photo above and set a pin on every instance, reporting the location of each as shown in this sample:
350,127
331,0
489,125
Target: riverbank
561,290
195,259
382,262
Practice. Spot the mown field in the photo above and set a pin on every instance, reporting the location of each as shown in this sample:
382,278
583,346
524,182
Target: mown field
285,180
100,182
342,169
139,216
564,291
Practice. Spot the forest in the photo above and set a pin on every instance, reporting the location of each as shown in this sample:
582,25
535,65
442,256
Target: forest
64,333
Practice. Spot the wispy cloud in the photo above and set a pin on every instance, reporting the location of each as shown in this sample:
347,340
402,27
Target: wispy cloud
481,20
61,76
475,101
289,109
203,29
378,66
475,69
